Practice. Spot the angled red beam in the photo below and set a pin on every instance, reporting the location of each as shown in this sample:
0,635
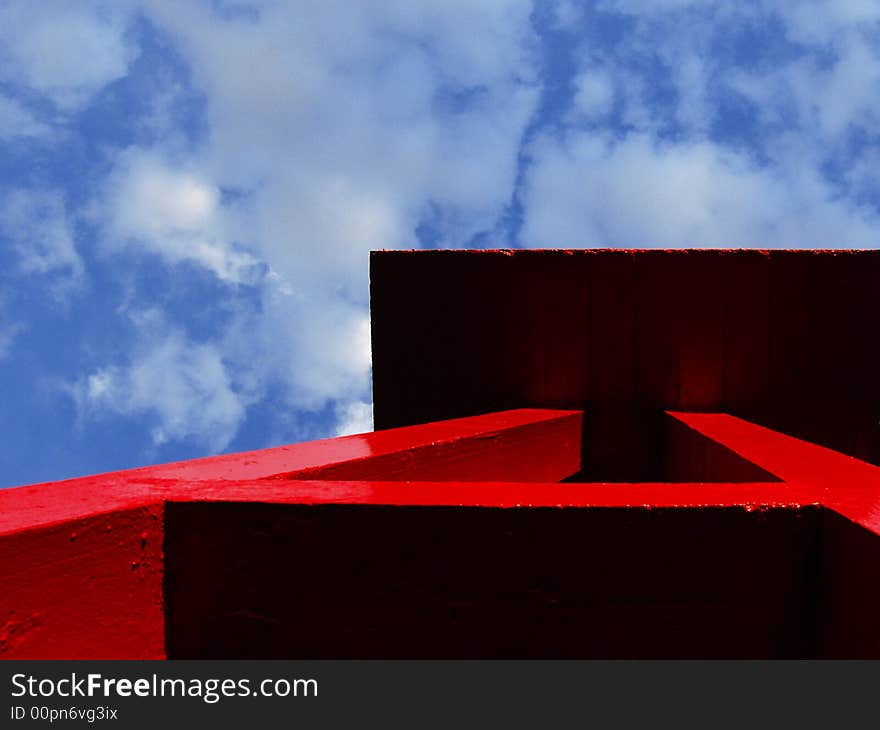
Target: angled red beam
556,434
847,587
81,566
789,458
521,445
847,485
527,445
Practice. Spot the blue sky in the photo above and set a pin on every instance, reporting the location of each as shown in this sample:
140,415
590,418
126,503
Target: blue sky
189,190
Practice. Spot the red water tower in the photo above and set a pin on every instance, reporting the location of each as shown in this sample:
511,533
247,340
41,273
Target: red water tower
583,454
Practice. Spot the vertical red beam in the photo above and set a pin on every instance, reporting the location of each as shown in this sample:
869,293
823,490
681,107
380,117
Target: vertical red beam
863,274
613,415
746,326
848,590
553,326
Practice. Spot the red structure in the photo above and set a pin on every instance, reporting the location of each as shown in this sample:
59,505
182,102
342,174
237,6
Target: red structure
580,454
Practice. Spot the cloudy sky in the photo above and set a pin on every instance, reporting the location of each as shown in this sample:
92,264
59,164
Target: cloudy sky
189,189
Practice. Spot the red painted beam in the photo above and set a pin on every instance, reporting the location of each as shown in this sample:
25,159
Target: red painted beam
728,568
504,495
88,587
849,486
251,580
523,445
81,554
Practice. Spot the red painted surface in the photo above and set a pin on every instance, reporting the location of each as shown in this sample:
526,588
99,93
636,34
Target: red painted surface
302,566
444,582
622,515
86,587
80,577
780,338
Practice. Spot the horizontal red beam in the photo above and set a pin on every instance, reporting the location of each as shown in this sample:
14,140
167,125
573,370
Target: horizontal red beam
503,495
257,580
523,444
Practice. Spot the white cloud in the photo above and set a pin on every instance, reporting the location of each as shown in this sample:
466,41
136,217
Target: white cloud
40,231
8,334
17,122
670,178
647,7
567,14
354,417
694,112
341,126
362,114
826,100
318,346
593,94
824,86
594,191
65,51
335,128
172,211
183,386
821,21
10,328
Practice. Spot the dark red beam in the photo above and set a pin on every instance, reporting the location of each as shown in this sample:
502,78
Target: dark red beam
778,337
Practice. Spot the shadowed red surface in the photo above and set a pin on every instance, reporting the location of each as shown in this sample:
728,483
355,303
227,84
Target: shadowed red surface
781,338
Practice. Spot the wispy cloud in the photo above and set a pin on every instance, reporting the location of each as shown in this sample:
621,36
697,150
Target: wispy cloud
17,122
357,124
39,229
182,387
170,209
733,126
65,52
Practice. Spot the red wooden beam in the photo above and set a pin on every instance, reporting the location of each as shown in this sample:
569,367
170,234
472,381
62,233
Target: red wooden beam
85,587
81,573
171,563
